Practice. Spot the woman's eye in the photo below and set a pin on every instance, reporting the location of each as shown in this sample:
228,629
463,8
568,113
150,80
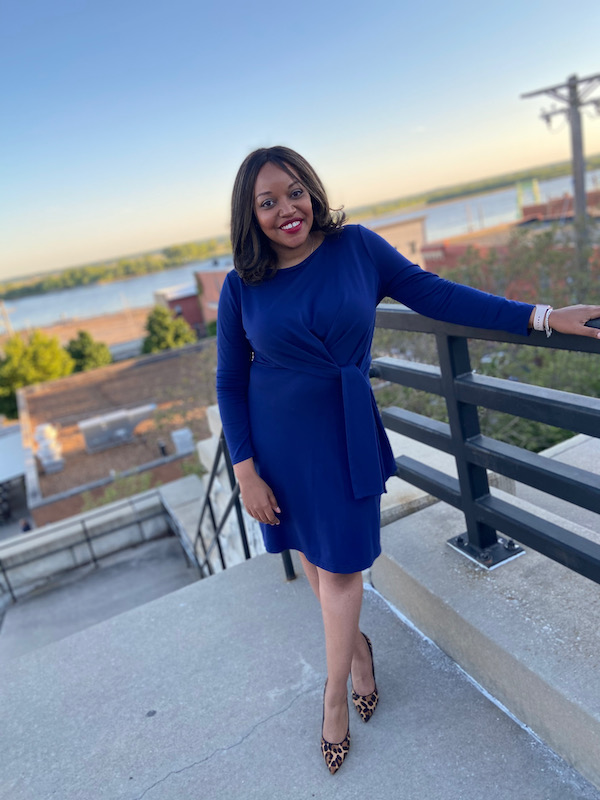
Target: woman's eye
297,192
266,204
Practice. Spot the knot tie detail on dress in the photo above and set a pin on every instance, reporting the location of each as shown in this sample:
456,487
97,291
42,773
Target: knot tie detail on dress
370,457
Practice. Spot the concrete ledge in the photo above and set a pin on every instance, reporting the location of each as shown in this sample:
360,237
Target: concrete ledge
53,549
527,631
182,500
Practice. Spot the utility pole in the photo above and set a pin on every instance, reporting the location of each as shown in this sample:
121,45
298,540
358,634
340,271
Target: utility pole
574,94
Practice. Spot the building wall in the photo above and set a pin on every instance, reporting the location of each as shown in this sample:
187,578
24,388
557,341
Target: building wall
210,284
408,237
190,309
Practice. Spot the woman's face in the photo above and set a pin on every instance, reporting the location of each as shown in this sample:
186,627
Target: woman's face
283,210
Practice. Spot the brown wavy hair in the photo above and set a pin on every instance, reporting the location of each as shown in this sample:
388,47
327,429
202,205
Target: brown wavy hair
253,256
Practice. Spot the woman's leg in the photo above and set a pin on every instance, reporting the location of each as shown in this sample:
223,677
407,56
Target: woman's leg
311,573
341,598
361,665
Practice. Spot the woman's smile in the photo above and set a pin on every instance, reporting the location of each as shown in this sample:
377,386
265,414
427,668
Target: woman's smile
293,226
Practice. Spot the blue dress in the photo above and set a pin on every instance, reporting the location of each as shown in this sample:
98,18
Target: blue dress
294,391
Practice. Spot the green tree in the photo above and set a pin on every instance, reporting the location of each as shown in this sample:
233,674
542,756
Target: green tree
87,353
166,332
25,362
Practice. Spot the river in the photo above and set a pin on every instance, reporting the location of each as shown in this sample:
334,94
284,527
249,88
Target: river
106,298
442,220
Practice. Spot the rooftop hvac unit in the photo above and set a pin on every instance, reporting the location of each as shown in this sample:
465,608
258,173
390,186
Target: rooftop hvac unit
183,439
49,450
110,430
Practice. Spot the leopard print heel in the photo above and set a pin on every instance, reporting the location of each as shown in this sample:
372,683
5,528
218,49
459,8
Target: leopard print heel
365,704
334,753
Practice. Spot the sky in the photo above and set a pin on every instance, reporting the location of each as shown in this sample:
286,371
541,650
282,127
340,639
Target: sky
125,121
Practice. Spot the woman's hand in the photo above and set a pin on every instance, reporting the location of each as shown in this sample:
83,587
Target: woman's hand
572,319
257,496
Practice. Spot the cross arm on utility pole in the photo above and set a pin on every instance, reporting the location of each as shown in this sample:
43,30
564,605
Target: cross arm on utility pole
553,90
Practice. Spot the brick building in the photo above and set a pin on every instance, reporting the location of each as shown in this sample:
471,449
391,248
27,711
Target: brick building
139,406
184,302
447,253
210,282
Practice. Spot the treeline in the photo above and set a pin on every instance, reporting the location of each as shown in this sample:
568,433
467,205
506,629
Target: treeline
173,256
472,188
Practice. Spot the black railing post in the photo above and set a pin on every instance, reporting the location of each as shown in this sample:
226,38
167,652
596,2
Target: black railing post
211,479
216,532
290,572
238,507
88,539
234,501
481,541
206,563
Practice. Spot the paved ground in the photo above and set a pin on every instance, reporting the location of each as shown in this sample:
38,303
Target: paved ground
88,596
214,691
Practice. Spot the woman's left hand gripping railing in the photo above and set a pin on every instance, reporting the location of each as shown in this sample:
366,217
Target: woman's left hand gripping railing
208,548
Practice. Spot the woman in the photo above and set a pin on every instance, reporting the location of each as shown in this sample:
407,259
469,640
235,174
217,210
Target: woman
295,324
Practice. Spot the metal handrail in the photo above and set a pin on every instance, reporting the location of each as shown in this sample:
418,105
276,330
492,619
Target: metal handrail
234,502
461,437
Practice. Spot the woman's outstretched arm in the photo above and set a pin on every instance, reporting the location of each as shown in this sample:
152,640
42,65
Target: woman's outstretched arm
436,297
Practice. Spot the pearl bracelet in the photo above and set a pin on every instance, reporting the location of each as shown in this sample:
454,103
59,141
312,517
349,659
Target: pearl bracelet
541,319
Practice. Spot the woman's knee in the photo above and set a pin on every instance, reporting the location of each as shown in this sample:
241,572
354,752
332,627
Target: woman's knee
339,580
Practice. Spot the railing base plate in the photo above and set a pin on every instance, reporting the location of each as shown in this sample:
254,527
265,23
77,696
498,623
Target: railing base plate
502,551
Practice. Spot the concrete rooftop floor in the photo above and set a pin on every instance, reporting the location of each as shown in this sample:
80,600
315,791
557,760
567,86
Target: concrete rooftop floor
214,691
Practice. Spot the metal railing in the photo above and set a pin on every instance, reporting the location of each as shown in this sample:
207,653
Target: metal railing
211,546
88,537
463,392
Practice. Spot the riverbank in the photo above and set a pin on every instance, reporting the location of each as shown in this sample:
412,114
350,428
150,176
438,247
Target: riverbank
120,326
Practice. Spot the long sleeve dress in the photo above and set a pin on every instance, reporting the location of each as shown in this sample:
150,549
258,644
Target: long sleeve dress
294,392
